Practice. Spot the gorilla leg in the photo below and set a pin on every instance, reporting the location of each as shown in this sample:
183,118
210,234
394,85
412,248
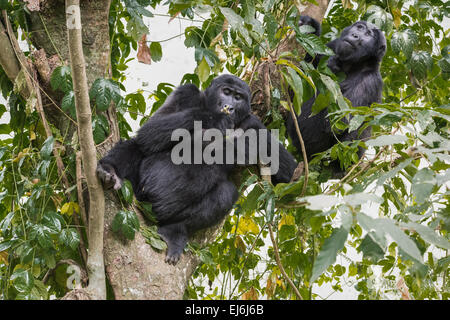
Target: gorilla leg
209,211
121,162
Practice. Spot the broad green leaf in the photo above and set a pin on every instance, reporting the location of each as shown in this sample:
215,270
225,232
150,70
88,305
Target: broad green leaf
156,51
385,140
68,103
203,70
402,240
335,91
70,238
404,41
251,200
42,234
47,148
372,226
357,199
390,174
379,17
53,221
237,23
152,237
328,252
61,79
420,63
356,122
127,191
104,91
428,235
320,202
370,248
126,222
422,184
296,85
22,280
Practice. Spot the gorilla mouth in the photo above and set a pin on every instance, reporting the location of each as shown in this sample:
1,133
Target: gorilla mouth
349,43
227,109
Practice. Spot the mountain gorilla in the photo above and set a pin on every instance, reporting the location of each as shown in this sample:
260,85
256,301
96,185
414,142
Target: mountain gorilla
186,197
358,53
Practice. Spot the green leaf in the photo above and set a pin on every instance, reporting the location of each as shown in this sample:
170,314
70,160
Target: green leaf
236,22
328,253
52,220
61,79
23,280
404,41
422,185
294,81
146,208
203,70
100,128
126,222
402,240
379,17
70,238
156,51
47,148
386,140
152,237
104,91
428,235
42,234
68,103
356,122
420,63
335,91
127,191
370,248
320,201
357,199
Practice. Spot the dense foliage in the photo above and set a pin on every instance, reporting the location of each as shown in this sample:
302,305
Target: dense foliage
392,208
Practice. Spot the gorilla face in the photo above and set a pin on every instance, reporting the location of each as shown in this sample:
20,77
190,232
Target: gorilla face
230,96
361,41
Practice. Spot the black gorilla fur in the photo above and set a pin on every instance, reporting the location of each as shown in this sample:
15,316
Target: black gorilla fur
358,53
186,197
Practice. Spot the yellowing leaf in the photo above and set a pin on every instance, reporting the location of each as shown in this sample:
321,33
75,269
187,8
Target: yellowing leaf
251,294
69,207
4,257
286,220
246,224
239,243
203,70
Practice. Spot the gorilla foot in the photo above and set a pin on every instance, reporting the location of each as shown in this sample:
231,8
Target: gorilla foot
108,176
175,236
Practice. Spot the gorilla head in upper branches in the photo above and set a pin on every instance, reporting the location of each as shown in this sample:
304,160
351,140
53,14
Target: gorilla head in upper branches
359,43
358,53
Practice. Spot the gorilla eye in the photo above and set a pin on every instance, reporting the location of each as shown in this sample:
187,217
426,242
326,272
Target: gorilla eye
360,26
227,91
238,97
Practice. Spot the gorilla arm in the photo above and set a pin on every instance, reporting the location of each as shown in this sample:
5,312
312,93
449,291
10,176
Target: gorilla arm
287,162
178,112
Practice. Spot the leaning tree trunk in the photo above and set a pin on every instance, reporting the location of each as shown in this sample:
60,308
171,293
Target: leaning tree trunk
133,268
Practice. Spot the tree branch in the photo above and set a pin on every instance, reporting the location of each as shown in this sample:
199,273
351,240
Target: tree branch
95,264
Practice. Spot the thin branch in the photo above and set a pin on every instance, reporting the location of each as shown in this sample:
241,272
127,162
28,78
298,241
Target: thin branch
297,129
96,266
280,266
